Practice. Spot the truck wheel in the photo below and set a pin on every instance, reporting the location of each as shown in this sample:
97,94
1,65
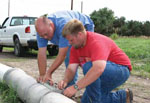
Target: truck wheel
1,48
53,51
18,50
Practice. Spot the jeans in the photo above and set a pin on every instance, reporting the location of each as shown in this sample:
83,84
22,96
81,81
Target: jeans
100,91
66,64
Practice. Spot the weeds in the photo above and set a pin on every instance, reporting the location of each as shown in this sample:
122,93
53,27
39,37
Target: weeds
114,36
8,95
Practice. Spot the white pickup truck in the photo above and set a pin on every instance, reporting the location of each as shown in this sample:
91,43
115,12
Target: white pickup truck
19,32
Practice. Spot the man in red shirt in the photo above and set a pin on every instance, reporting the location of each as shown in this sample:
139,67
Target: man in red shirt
104,65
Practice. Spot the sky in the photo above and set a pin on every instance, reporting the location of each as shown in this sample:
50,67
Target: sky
130,9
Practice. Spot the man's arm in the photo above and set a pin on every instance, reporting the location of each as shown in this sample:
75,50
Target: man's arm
93,74
69,75
58,61
70,72
42,62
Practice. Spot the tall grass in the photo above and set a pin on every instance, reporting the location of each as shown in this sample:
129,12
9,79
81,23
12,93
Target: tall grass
8,95
138,50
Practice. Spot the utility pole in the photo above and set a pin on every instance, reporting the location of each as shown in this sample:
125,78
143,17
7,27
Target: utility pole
8,8
71,4
81,6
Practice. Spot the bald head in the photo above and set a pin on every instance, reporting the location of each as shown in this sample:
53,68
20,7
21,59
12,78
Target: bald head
44,27
40,24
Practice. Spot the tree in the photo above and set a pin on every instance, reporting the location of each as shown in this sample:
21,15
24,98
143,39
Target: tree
146,28
118,24
103,20
132,28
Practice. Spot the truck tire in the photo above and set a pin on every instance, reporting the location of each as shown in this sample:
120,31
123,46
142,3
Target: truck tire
1,48
18,50
53,51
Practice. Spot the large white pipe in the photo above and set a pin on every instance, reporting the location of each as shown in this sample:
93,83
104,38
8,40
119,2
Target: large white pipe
3,70
12,76
54,97
35,89
28,89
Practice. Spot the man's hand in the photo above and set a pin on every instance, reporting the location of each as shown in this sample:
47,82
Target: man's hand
45,78
62,84
40,79
48,77
70,91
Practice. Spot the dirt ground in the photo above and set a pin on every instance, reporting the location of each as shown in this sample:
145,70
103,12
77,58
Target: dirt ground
28,63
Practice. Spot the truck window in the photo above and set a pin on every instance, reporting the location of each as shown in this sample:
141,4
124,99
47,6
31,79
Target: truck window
32,21
25,21
28,21
22,21
16,22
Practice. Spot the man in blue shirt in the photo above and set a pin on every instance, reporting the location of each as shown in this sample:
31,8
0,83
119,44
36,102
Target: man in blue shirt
50,28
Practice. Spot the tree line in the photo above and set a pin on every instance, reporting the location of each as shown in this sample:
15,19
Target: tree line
106,23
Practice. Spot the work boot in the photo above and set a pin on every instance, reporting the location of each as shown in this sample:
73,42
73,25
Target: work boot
129,97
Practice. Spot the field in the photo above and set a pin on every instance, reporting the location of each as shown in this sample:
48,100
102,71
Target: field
138,50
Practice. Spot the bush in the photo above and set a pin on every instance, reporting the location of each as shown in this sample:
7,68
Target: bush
114,36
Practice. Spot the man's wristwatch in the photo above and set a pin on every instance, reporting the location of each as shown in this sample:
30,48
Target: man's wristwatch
76,87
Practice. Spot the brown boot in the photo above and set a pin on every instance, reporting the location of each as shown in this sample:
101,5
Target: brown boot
129,98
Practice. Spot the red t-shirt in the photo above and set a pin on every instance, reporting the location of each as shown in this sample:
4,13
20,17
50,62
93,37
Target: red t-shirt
99,47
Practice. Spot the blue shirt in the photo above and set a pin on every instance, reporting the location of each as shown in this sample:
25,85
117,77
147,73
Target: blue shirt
60,19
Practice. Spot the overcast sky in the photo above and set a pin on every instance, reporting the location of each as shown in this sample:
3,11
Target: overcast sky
130,9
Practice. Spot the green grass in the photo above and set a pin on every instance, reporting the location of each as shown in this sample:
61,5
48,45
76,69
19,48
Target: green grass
12,50
8,95
28,53
8,49
138,50
15,59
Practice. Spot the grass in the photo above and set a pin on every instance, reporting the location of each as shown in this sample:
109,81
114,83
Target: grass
32,53
8,95
138,50
14,60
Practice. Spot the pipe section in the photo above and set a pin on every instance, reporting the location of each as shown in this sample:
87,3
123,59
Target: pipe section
28,89
3,70
54,97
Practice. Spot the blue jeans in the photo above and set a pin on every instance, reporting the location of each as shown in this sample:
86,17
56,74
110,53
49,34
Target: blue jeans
100,91
66,64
